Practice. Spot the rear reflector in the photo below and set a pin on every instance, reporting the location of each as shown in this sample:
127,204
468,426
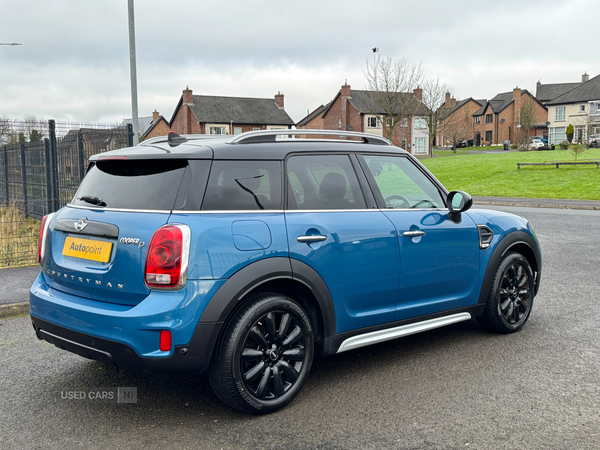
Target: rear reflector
165,341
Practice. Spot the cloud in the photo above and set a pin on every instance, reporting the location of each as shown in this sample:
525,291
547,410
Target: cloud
74,61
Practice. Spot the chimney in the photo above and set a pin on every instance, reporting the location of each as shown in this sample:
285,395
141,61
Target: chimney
517,92
279,100
187,96
419,93
517,105
155,115
539,83
447,102
453,102
346,93
585,77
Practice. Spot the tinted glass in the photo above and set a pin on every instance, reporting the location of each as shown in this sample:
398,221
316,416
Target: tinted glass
323,182
402,185
131,184
244,186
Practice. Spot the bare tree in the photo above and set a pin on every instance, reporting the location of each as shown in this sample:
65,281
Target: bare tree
5,130
434,95
391,84
458,128
526,123
589,126
33,128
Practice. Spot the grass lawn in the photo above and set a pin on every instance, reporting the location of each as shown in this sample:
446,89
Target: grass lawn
497,175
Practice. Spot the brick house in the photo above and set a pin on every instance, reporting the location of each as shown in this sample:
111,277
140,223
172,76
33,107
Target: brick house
498,120
354,110
158,127
456,119
206,114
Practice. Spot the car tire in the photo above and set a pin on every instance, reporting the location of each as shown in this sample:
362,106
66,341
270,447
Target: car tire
511,296
264,355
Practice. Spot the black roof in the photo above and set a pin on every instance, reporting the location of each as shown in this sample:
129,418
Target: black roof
459,104
501,102
585,92
241,110
364,103
547,92
320,110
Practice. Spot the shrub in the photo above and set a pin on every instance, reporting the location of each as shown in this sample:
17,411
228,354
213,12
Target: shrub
564,145
570,131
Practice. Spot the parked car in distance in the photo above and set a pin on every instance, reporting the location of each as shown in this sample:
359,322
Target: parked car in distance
248,256
541,138
536,144
594,140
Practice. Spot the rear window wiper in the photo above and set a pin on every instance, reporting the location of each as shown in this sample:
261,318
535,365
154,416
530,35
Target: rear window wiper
93,200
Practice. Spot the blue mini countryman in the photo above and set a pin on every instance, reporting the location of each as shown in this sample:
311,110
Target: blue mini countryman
247,256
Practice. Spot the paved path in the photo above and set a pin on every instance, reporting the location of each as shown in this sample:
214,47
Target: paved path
15,283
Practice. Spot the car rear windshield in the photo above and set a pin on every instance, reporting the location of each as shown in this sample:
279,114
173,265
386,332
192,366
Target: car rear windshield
131,184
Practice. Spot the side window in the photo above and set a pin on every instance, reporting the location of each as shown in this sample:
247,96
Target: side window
402,185
243,185
323,182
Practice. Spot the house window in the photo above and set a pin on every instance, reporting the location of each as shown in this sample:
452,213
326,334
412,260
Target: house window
581,108
420,123
340,123
557,135
488,136
478,119
489,118
217,130
372,122
256,129
560,113
404,123
388,122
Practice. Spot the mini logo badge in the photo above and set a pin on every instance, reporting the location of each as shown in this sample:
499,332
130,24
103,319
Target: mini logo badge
81,224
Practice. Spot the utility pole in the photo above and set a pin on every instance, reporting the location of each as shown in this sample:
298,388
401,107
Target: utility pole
132,69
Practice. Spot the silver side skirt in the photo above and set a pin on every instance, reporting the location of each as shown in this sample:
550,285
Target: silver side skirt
405,330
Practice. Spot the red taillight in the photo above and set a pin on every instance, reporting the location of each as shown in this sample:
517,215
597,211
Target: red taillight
165,341
166,261
42,240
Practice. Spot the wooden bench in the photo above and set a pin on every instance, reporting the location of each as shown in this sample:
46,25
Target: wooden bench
557,164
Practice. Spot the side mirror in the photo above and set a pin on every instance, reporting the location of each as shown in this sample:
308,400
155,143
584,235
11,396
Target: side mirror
458,202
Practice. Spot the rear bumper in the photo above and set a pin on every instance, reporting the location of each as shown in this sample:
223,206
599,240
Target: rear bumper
128,336
190,358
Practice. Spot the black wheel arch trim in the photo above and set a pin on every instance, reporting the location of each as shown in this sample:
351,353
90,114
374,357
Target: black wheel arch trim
252,276
507,243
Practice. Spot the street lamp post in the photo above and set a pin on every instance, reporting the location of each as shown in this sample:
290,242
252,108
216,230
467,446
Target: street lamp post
132,69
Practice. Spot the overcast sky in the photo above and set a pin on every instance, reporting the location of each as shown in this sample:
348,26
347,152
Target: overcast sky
74,61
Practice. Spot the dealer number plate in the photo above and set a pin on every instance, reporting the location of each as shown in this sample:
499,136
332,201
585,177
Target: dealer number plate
87,249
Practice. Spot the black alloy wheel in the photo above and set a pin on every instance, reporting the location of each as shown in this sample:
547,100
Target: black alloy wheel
264,356
511,296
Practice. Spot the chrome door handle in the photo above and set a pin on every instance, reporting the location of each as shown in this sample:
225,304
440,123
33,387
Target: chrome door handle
413,233
315,238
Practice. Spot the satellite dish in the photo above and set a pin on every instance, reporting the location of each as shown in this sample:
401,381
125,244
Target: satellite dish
350,128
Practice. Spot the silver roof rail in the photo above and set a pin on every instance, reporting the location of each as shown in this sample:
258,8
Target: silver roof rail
271,136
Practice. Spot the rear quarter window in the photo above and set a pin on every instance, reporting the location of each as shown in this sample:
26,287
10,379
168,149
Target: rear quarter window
243,186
